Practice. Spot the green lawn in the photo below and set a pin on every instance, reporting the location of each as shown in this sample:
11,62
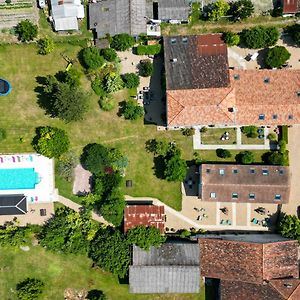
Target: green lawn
60,271
213,136
251,141
21,114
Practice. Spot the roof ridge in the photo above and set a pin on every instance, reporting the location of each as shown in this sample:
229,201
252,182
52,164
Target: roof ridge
168,95
279,290
260,185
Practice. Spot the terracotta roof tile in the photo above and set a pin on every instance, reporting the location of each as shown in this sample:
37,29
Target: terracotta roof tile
290,6
148,215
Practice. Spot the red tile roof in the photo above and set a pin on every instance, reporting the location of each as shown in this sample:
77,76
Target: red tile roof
148,215
242,102
290,6
248,261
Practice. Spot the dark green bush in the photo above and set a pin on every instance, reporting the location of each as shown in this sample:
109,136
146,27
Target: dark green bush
277,56
148,49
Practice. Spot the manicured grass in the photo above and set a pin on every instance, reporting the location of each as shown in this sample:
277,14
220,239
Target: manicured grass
60,271
21,114
251,141
213,136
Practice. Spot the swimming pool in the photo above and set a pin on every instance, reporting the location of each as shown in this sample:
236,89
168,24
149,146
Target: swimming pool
18,179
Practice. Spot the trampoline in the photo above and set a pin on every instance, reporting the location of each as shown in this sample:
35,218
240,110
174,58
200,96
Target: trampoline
5,87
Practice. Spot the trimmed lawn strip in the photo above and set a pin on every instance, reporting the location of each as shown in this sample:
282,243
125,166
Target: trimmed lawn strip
213,136
251,141
61,271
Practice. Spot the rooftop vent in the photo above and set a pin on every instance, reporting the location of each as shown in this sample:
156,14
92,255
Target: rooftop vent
298,93
173,41
174,60
288,285
266,80
236,76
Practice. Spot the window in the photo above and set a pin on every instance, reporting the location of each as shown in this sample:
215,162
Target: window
266,80
265,172
222,172
251,196
235,196
252,171
290,117
278,197
236,77
281,172
207,171
184,40
213,195
274,117
173,41
298,93
235,171
261,117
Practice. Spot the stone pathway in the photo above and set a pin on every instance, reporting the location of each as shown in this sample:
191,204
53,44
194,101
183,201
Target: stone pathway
238,146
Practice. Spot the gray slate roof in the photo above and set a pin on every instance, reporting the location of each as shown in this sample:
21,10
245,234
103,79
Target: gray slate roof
117,16
171,268
13,205
173,10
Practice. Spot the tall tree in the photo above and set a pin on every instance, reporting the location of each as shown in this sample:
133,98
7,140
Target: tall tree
241,9
289,226
26,30
218,10
175,168
30,289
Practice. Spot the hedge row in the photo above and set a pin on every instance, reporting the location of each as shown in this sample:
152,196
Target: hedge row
284,133
148,49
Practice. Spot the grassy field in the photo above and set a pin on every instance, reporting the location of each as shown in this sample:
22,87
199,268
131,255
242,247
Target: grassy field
21,114
64,271
253,141
213,136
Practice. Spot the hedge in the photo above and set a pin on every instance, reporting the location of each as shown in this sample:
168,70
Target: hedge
284,134
148,49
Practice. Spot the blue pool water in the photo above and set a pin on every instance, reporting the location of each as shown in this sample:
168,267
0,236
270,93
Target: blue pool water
17,179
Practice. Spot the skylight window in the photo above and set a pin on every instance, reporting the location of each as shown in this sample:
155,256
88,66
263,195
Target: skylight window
298,93
222,172
213,195
184,40
208,171
236,76
235,196
278,197
235,171
267,80
251,196
261,117
252,171
281,172
173,41
290,117
265,172
274,117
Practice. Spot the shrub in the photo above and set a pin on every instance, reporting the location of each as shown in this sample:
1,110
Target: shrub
276,158
92,59
98,87
131,80
282,146
132,111
65,166
250,131
245,157
260,37
146,68
272,137
175,168
26,31
109,54
112,82
188,131
289,227
12,235
30,289
122,42
277,56
2,134
231,38
241,9
203,129
46,45
107,103
51,141
148,49
284,133
72,77
218,9
223,153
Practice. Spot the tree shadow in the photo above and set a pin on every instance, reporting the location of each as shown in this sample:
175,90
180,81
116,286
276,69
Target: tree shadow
150,145
159,166
95,294
122,105
261,58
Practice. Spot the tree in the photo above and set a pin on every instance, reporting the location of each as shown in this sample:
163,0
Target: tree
294,31
107,102
260,37
109,54
289,227
132,111
272,137
13,235
131,80
69,103
161,147
145,237
68,231
245,157
51,141
46,45
65,166
250,131
110,251
98,87
175,168
223,153
26,31
146,68
72,77
92,59
30,289
277,56
112,82
122,42
241,9
112,208
275,158
218,10
231,38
